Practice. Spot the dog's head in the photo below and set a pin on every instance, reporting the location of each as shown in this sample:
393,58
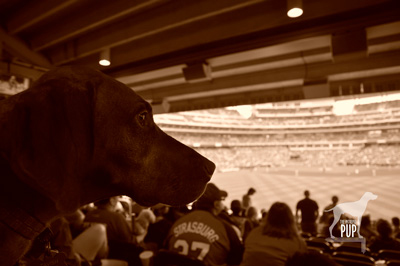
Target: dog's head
83,134
370,196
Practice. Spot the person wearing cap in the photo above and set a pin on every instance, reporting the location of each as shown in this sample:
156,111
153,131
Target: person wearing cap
202,235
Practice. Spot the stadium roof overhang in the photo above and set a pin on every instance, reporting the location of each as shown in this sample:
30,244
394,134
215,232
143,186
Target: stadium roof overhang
232,51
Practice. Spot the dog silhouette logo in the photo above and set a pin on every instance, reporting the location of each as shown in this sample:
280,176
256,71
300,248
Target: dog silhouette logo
355,209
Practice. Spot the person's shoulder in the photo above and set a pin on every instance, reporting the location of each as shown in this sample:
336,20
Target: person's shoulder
315,202
300,202
195,215
256,233
201,213
226,225
223,221
257,230
310,201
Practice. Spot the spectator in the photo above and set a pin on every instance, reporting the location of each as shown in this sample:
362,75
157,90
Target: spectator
158,231
324,232
275,241
76,222
121,241
325,217
61,240
396,227
92,244
89,247
246,200
237,215
142,222
224,215
264,214
251,222
384,240
200,234
366,229
89,239
126,209
234,222
309,214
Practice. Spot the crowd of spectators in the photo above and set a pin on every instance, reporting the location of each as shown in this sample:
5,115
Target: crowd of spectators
227,158
208,139
212,232
314,149
221,140
382,112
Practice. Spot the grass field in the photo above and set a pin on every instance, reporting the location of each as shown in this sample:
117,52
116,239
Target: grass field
287,185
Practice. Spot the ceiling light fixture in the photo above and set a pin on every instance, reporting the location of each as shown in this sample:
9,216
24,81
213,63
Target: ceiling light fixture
295,8
105,57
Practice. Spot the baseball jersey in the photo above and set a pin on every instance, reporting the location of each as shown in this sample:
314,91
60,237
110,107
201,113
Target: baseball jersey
203,236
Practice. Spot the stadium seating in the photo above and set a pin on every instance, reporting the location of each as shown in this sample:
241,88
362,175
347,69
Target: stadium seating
353,256
393,263
315,249
386,254
290,133
319,243
352,248
351,262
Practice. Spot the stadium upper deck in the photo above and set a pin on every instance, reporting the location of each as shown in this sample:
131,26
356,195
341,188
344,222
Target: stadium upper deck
343,131
378,112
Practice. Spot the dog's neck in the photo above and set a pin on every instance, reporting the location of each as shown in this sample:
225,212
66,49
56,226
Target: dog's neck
20,221
19,225
24,214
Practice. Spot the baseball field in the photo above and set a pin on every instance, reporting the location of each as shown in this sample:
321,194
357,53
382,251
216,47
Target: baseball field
288,184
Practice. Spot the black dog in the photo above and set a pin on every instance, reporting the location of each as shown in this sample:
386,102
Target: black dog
77,136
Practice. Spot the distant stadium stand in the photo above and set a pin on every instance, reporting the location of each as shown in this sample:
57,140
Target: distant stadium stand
307,133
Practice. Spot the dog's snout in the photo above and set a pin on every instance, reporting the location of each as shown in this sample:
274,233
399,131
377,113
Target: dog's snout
371,195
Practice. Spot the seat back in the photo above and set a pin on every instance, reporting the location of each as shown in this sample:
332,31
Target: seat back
315,249
386,254
351,262
320,243
354,256
393,263
353,248
306,235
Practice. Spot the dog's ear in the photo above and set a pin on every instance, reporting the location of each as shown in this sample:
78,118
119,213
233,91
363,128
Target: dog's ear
45,135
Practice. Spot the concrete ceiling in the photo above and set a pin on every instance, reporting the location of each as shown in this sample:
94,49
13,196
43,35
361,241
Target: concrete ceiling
241,51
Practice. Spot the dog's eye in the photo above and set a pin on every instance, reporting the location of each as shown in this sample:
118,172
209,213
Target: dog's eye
142,117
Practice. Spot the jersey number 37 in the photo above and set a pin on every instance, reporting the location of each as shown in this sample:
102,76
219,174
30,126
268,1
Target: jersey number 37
183,247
